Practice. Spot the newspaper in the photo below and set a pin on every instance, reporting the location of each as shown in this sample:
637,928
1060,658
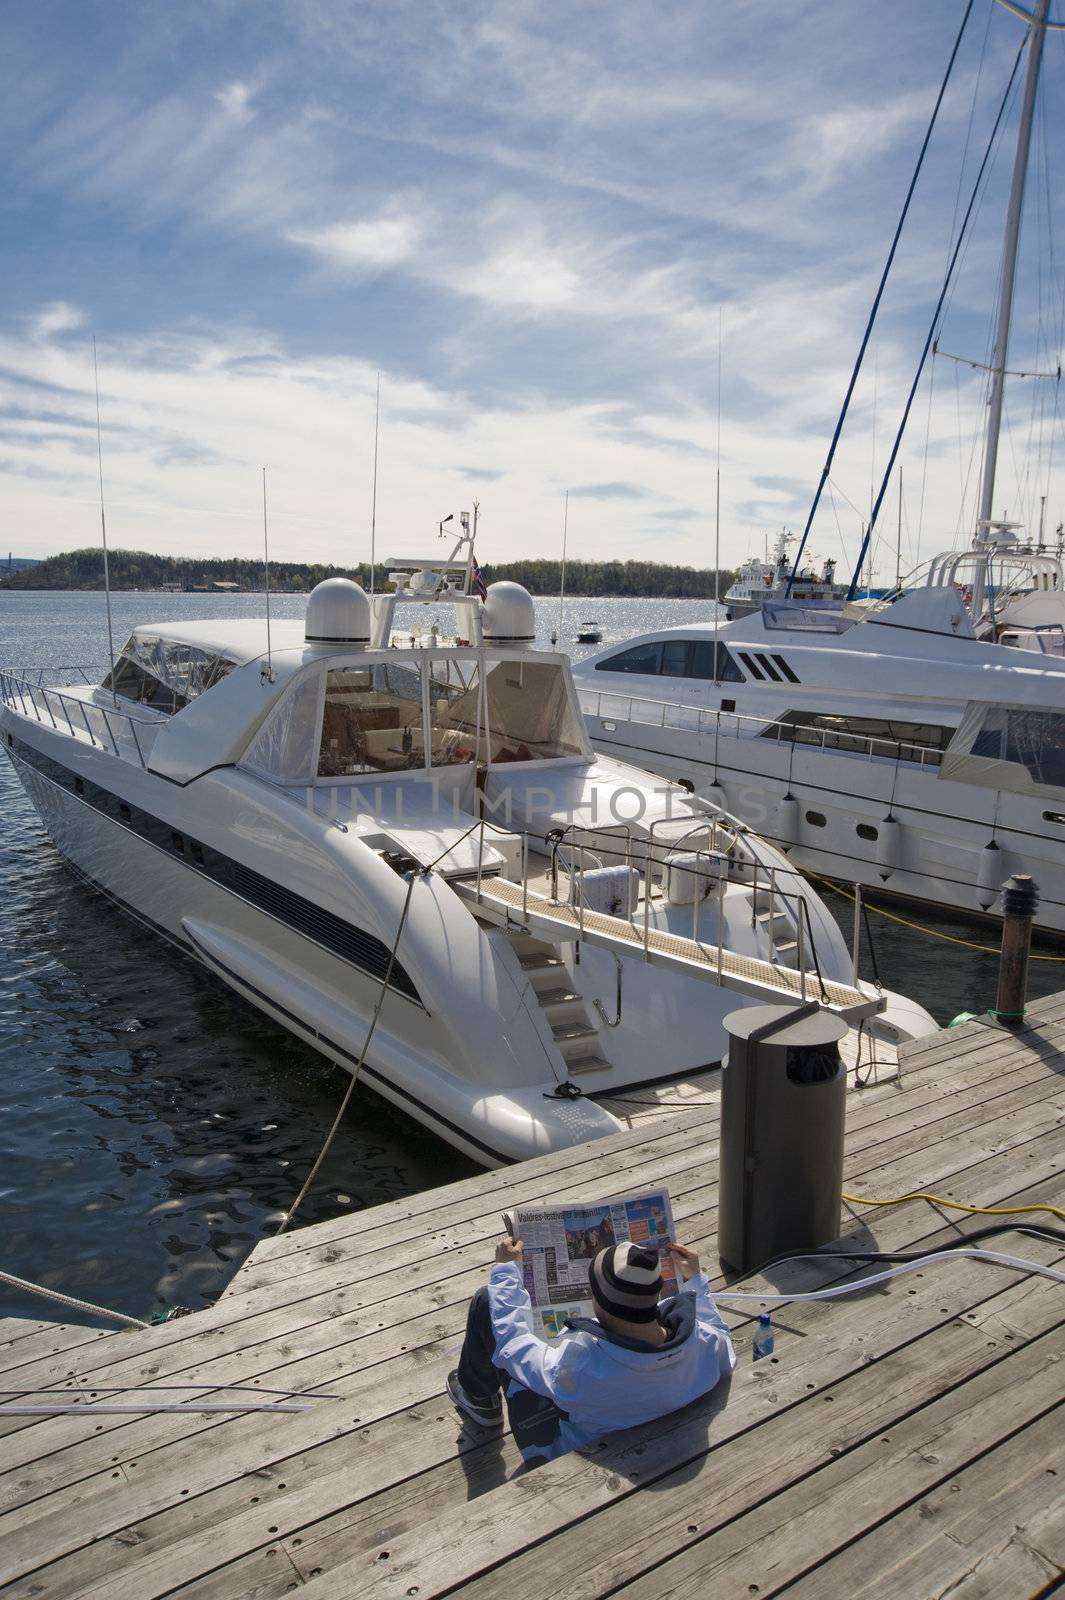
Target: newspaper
560,1242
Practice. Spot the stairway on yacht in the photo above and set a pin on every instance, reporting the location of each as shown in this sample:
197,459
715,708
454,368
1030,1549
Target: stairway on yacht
575,1033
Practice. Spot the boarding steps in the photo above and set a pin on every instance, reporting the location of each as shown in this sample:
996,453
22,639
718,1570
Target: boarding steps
517,908
575,1035
777,924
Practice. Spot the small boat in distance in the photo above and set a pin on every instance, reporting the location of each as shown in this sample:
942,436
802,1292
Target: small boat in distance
758,581
589,633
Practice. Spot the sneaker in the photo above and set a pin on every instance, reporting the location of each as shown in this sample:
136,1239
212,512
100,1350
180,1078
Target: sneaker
484,1412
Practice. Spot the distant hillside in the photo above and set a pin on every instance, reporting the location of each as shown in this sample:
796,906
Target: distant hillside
16,564
137,569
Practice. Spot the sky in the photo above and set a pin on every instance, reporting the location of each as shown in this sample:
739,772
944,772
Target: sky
552,233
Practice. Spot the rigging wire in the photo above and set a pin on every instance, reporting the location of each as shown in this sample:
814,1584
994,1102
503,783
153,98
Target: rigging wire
827,468
977,187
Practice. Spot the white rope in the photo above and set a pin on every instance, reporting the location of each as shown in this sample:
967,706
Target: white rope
69,1300
997,1258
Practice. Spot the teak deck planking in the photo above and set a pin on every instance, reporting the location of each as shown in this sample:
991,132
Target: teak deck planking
899,1443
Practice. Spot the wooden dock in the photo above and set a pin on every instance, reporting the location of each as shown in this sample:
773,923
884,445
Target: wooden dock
905,1442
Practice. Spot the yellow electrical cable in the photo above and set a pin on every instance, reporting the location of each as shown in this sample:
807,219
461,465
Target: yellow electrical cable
955,1205
933,933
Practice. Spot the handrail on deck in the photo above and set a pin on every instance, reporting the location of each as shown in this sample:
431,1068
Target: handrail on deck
690,719
17,691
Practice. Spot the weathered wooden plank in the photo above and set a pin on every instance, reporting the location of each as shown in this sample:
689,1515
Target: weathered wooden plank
1002,1519
432,1556
158,1432
208,1464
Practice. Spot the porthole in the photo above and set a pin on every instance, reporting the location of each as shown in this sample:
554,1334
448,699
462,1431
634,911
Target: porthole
816,819
1048,816
865,830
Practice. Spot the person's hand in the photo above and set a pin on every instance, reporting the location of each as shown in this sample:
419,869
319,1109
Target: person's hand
509,1250
687,1262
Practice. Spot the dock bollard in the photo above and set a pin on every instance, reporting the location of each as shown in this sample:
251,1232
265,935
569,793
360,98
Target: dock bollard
783,1099
1020,898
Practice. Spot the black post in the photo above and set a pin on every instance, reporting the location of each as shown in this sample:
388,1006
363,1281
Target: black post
1020,898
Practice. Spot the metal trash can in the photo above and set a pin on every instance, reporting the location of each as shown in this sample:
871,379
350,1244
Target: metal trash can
783,1100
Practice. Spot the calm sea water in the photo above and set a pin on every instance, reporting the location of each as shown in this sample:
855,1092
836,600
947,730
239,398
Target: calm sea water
153,1127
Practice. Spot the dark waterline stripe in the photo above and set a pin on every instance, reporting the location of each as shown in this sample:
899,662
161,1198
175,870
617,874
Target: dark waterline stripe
358,948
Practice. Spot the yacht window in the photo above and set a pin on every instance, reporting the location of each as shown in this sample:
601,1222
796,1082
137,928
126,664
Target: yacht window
911,741
285,749
165,673
456,712
1034,740
816,819
371,721
675,658
643,658
701,662
791,676
752,666
530,717
768,668
865,830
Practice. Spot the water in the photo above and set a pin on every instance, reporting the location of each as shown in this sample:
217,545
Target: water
153,1127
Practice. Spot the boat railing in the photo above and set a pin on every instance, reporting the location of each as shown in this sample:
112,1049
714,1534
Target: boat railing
608,705
105,727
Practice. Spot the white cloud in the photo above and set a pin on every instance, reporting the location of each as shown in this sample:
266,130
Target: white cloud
59,317
235,100
386,240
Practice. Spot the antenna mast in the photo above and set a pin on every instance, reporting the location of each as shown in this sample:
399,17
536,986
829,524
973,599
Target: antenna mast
103,523
269,674
562,576
717,487
1036,35
373,501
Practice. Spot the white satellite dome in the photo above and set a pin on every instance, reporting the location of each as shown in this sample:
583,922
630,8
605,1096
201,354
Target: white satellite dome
338,612
508,616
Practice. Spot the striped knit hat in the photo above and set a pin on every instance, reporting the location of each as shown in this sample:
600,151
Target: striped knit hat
626,1281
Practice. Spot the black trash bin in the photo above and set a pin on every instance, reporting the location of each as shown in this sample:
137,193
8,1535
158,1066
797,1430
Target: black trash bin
783,1100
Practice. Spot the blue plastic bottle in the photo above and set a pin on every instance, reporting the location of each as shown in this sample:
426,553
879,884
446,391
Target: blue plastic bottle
763,1337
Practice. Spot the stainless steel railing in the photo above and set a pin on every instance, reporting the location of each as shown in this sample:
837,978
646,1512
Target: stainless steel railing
652,713
72,715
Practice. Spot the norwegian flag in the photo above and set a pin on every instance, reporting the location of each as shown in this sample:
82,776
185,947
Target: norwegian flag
477,578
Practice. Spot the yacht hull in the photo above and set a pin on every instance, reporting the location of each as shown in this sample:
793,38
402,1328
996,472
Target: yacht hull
936,854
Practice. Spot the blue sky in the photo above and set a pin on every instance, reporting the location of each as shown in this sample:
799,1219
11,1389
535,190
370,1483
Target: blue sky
532,220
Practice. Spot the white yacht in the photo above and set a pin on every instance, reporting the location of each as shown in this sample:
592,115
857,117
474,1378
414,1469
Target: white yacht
899,751
758,581
402,847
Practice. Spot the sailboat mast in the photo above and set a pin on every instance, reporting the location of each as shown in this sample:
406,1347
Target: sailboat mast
1009,260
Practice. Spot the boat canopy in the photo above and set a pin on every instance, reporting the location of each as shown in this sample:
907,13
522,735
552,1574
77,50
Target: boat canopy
166,673
1019,749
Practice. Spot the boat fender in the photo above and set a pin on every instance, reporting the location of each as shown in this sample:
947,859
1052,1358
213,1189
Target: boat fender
989,872
715,794
787,830
889,839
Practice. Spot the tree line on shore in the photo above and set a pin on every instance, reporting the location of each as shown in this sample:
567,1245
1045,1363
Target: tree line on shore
138,569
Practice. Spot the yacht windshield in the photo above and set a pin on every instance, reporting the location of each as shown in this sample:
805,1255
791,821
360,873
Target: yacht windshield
530,717
164,673
371,721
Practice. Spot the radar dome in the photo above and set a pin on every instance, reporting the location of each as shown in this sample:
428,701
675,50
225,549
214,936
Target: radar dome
338,612
508,616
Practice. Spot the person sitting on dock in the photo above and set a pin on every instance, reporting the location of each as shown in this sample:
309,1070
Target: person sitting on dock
638,1359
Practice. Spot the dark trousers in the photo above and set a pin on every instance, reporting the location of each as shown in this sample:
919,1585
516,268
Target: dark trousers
534,1419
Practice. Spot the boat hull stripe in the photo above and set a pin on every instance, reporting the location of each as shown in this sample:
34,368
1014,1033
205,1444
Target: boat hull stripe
340,938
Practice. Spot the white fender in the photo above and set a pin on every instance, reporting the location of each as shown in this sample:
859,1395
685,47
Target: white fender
787,827
888,845
715,794
990,874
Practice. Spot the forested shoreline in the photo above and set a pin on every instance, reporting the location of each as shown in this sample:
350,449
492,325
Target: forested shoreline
139,569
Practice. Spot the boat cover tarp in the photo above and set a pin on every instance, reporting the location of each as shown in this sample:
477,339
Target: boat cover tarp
1019,749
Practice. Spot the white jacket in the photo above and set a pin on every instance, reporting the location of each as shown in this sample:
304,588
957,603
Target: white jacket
602,1382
